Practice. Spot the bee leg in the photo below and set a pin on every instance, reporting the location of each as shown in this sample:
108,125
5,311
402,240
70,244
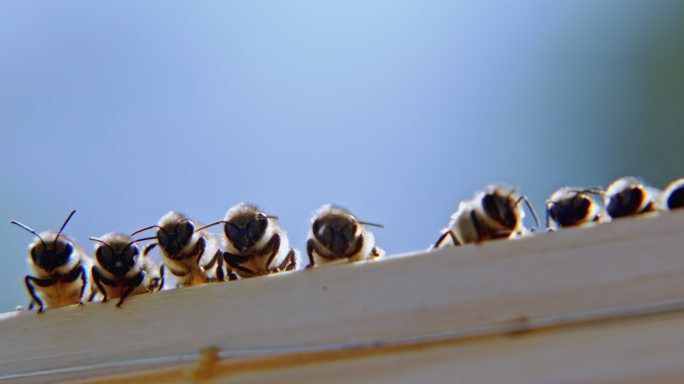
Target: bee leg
230,260
31,305
217,259
310,247
273,247
162,274
148,248
131,284
478,227
98,283
375,253
82,273
232,275
442,238
220,274
28,280
291,261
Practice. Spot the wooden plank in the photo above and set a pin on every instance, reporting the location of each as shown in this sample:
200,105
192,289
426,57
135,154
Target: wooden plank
627,263
628,351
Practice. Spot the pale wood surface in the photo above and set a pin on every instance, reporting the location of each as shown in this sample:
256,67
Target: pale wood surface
456,292
626,351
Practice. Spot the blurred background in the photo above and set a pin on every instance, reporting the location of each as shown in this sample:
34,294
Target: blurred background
128,109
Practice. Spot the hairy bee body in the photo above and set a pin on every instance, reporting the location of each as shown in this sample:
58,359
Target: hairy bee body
190,257
574,207
673,195
58,270
255,245
337,235
492,213
628,196
120,270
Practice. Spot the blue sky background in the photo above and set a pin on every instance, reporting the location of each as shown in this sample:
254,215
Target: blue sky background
125,110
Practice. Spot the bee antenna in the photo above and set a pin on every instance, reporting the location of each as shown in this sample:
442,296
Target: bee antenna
26,227
101,241
594,191
143,239
272,217
529,208
371,224
64,225
210,225
148,228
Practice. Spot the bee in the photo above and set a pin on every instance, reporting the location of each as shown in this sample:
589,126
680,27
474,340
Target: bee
492,213
673,195
255,244
629,196
183,250
58,269
120,270
336,234
572,206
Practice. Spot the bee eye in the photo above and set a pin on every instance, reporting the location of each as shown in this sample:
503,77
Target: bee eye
131,252
184,232
256,227
553,211
104,255
37,252
349,231
232,231
325,233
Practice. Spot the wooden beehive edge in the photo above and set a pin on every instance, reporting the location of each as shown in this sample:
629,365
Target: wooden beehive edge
625,268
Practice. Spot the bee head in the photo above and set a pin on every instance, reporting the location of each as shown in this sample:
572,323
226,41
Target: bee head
49,251
336,232
675,194
116,253
175,236
626,196
244,225
501,206
174,232
246,229
571,207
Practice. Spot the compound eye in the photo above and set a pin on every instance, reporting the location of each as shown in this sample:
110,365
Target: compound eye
581,207
553,212
256,227
131,252
231,230
104,255
65,252
498,210
348,231
37,252
325,233
184,232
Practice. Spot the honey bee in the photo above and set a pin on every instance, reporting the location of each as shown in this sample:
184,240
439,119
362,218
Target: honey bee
492,213
629,196
58,269
255,244
192,257
673,195
336,234
120,270
572,206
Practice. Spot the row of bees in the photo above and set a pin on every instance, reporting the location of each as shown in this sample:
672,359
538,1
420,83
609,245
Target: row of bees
253,244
